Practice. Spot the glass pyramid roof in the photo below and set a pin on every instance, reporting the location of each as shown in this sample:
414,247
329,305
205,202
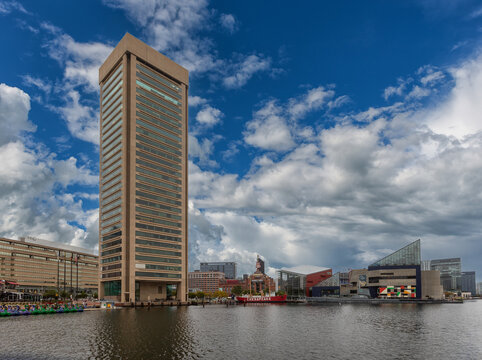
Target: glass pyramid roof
408,255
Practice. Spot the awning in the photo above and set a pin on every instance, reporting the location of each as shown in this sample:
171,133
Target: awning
12,283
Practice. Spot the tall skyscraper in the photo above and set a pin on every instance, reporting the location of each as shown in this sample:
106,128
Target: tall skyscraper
450,272
143,175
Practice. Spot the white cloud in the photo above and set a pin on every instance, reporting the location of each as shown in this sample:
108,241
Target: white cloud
31,201
196,101
180,29
245,69
209,116
274,126
201,150
358,192
41,84
459,115
81,61
269,129
15,106
229,22
82,121
418,92
7,7
314,99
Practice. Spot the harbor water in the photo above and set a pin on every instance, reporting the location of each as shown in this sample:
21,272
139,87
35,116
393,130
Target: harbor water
330,331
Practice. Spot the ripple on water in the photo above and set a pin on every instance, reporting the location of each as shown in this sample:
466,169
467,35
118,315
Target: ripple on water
255,331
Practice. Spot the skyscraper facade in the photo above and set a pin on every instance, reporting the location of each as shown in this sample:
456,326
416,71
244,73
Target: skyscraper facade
467,282
143,175
450,272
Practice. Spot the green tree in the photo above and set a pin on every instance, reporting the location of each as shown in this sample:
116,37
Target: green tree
95,296
280,292
191,295
200,295
220,294
50,294
245,292
237,290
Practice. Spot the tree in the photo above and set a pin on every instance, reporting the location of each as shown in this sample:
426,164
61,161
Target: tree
280,292
237,290
245,292
50,294
63,294
95,296
191,295
200,295
219,294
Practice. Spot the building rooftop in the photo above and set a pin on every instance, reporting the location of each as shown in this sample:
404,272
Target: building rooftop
304,269
55,244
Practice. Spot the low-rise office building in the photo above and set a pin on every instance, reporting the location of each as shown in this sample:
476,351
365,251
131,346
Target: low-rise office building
298,281
35,266
397,275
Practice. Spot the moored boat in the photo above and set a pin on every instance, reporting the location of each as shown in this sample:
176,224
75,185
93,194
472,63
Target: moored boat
261,299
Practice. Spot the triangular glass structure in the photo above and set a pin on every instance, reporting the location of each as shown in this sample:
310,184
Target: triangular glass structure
408,255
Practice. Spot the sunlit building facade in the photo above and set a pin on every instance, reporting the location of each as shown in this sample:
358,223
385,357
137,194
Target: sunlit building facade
143,175
34,265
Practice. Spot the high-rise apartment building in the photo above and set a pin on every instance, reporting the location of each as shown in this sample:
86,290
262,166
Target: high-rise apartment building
143,175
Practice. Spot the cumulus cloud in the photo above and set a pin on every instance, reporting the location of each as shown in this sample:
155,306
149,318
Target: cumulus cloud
15,106
196,101
33,183
274,125
209,116
356,191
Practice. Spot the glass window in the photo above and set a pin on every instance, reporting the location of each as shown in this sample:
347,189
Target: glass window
153,105
157,175
157,190
159,145
156,251
157,236
115,127
115,114
112,288
158,100
158,213
157,259
156,158
111,213
111,228
156,205
158,115
109,162
162,124
112,77
112,152
108,199
110,221
158,183
169,84
157,228
107,110
157,92
160,168
157,221
162,132
160,275
158,198
156,243
111,91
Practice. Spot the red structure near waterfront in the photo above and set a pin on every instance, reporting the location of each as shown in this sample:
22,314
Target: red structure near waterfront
262,299
315,278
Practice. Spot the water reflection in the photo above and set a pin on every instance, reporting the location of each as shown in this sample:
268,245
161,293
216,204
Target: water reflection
404,331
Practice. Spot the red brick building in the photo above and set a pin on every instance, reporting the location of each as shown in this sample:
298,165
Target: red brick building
207,282
228,284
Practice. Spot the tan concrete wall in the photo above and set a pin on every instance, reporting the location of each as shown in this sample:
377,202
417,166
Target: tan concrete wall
393,282
431,287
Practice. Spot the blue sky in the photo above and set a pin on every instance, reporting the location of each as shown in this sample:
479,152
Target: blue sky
327,134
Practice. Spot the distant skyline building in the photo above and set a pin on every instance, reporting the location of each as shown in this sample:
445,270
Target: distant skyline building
468,282
425,265
450,272
479,288
228,268
143,175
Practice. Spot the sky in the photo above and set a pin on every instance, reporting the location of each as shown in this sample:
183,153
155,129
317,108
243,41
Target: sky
325,134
